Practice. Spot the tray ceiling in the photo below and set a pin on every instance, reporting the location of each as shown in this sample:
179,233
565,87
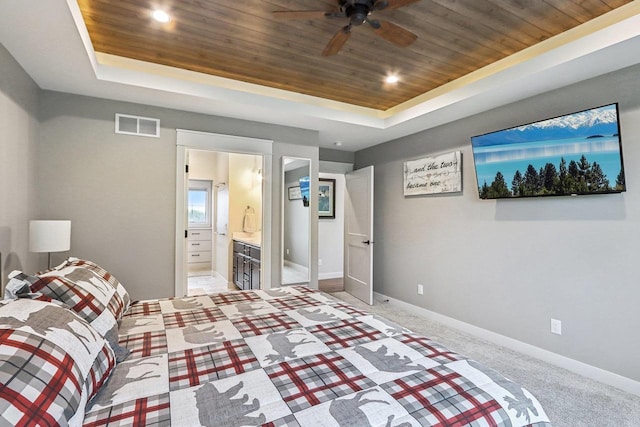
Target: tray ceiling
244,41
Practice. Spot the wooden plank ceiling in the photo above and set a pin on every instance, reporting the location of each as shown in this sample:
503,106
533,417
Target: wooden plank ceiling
242,40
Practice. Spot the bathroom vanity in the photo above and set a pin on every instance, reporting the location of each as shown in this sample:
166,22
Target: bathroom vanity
246,262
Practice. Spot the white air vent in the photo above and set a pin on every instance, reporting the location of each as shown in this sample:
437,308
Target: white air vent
136,125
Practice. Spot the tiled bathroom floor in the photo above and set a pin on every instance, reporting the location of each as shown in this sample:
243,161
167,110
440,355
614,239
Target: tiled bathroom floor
208,284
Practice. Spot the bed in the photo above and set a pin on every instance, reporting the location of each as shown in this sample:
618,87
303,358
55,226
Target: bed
289,356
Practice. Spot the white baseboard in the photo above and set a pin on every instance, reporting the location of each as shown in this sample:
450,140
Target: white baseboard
334,275
589,371
293,265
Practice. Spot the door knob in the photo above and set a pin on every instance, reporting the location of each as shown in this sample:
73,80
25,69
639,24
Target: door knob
368,242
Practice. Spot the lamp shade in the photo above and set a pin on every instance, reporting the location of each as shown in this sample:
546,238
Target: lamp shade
49,236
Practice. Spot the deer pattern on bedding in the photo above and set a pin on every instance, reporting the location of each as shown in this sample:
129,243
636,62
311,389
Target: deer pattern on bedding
295,357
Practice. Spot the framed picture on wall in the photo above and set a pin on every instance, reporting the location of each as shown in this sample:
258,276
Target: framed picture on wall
294,193
433,175
327,198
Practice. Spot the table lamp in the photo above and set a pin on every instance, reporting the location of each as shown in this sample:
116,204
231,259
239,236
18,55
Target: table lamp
49,236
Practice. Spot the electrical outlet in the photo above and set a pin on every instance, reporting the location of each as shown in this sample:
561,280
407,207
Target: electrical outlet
556,327
420,289
320,261
287,251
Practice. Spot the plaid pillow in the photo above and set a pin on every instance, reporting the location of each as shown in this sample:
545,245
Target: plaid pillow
120,301
53,362
87,295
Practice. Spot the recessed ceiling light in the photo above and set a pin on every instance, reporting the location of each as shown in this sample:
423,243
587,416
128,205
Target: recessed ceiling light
392,78
161,16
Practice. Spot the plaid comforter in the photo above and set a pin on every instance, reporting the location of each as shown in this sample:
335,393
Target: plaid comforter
294,357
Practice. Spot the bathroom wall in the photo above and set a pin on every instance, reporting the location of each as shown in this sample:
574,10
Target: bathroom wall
245,190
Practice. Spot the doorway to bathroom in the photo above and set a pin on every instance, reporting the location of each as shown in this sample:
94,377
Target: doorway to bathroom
207,217
253,177
222,188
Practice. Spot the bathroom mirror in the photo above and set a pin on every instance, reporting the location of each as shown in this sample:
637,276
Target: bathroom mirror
296,220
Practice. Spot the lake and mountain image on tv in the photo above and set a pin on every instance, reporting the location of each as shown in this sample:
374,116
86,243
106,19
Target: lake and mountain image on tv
579,153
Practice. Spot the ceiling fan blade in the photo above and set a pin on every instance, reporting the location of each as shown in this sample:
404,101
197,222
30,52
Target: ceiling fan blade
381,4
393,33
338,40
395,4
300,14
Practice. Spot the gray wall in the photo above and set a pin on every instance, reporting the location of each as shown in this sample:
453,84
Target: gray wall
509,266
331,235
18,166
119,190
330,155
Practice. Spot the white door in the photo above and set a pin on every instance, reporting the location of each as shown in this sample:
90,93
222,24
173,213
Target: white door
182,191
358,234
222,231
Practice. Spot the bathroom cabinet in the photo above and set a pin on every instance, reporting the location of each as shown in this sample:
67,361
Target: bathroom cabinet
246,265
199,249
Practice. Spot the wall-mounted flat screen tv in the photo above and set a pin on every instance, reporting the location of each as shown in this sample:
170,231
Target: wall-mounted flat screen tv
579,153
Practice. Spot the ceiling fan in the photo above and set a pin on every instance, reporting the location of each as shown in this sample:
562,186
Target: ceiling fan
358,12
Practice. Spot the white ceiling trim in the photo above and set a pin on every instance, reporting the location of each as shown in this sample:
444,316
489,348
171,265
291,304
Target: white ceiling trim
127,71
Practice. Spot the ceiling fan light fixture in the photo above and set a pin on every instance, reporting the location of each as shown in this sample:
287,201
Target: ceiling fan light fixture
358,12
161,16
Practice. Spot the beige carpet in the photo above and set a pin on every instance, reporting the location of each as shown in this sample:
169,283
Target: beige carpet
570,400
